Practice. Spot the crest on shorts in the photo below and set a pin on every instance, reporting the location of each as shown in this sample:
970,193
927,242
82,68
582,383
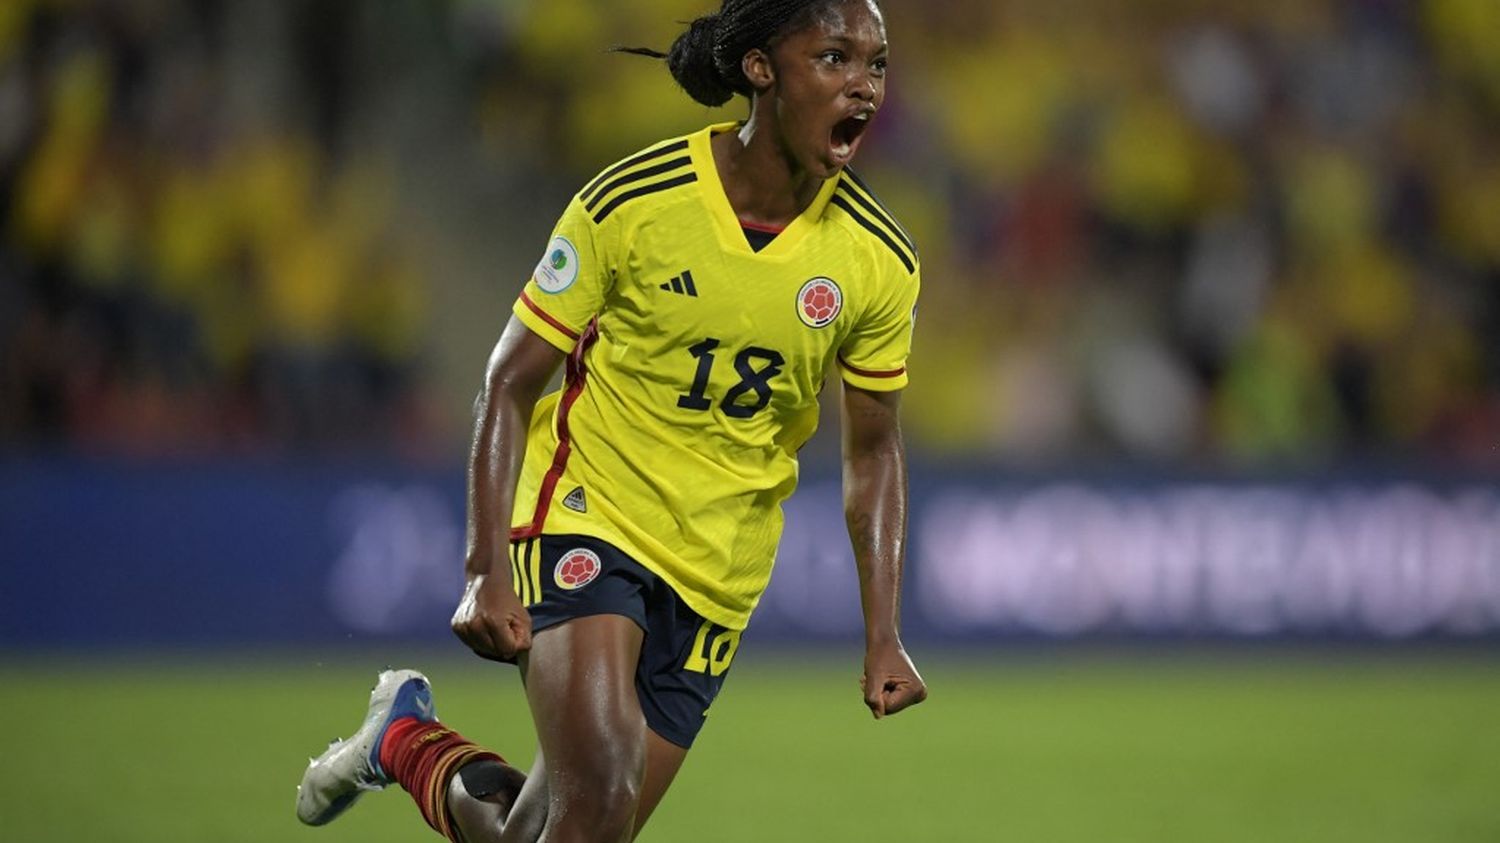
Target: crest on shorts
558,269
577,568
819,302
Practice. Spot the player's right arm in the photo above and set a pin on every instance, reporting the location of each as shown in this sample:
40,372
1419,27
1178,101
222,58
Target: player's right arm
490,618
566,291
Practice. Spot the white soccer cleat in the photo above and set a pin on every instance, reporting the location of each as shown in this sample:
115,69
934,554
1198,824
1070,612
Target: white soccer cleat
350,767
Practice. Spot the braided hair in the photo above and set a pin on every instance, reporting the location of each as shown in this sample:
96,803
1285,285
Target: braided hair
706,59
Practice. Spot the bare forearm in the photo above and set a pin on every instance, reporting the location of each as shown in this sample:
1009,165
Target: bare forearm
875,509
495,458
517,372
875,505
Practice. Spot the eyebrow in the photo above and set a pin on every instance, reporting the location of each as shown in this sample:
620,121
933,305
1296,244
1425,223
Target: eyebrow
885,46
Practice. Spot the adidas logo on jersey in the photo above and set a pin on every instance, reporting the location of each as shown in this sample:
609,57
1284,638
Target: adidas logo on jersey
575,500
682,284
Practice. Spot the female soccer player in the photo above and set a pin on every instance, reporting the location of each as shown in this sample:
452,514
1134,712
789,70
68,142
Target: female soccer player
699,291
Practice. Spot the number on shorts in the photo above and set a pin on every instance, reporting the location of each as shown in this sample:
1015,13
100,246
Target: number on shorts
713,649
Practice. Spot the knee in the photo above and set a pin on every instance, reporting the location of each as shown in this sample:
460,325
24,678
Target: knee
603,799
618,798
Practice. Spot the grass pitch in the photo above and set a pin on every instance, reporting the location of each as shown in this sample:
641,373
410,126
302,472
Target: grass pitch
1052,745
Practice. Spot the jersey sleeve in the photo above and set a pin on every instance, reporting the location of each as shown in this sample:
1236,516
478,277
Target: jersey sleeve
874,355
569,284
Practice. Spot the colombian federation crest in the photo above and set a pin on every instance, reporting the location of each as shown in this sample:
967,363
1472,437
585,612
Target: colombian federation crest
558,268
819,302
577,568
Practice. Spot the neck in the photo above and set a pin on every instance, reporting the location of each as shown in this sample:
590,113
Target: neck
763,182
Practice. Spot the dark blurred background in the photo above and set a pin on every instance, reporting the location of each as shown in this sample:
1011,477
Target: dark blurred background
1185,233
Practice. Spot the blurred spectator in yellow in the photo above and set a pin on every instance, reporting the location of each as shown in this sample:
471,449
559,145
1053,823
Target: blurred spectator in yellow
1171,230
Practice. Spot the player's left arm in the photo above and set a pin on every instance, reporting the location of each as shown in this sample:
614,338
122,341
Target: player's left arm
875,503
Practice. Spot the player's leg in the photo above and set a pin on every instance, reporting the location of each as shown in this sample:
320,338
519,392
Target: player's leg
482,797
657,694
481,812
683,665
580,682
484,813
401,740
663,760
463,791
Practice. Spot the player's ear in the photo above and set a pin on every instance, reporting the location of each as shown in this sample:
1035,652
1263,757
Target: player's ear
756,65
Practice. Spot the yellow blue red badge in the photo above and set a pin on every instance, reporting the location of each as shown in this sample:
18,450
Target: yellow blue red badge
819,302
577,568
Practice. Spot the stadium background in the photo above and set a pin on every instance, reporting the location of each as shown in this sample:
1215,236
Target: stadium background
1204,421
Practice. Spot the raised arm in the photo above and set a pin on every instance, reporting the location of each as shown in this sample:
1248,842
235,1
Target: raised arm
490,618
875,510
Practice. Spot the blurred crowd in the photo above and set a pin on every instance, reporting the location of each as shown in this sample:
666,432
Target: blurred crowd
194,258
1172,231
1242,232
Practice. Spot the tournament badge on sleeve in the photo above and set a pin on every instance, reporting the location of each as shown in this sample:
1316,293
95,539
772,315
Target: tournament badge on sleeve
558,268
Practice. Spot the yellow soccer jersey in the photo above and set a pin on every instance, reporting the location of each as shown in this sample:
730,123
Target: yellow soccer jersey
695,364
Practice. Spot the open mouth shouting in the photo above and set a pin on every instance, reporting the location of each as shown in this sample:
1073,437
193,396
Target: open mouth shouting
843,139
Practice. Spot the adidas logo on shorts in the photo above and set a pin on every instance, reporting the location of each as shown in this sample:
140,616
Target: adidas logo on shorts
575,500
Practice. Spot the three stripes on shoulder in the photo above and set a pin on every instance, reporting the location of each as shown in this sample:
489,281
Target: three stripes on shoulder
664,161
856,199
669,165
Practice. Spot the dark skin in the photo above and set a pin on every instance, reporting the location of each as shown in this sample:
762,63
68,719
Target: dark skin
600,772
775,165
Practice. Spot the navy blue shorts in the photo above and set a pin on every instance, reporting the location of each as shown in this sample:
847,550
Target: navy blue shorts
684,656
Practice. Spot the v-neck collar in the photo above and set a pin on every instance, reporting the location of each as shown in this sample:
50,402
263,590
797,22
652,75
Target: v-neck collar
726,222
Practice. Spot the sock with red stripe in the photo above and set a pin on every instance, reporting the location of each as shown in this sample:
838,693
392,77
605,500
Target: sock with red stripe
424,757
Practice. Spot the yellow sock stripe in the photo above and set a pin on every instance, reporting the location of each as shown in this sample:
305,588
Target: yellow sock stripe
437,796
443,772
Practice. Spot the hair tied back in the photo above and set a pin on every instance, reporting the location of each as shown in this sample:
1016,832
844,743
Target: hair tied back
693,61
